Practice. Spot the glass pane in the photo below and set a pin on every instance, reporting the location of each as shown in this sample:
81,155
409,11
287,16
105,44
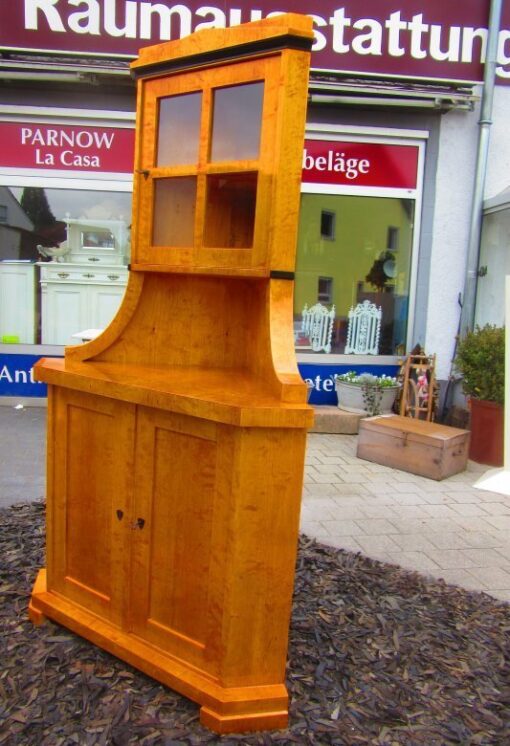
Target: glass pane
230,211
179,129
237,122
174,211
362,263
54,246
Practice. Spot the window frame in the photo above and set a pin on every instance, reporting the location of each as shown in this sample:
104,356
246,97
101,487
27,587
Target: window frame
343,133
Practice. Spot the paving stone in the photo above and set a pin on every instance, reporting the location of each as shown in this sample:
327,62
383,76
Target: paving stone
502,595
469,509
329,468
483,556
457,576
314,490
492,577
437,498
330,460
414,542
439,511
343,528
413,560
476,523
448,540
314,529
499,522
348,499
372,526
377,543
410,498
504,552
468,496
465,558
497,508
346,512
482,539
408,511
350,489
371,510
318,510
348,543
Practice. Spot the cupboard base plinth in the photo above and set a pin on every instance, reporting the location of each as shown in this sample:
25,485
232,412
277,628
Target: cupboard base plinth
224,709
223,724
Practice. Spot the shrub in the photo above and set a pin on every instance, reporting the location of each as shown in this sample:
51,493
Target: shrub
480,360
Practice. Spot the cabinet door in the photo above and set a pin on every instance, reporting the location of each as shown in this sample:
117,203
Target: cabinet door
64,313
178,553
89,481
104,303
17,302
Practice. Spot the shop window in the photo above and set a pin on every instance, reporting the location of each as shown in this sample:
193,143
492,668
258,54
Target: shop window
63,263
325,290
328,220
367,264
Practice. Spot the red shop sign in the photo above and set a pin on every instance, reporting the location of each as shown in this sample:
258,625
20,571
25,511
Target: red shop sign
360,164
67,147
430,39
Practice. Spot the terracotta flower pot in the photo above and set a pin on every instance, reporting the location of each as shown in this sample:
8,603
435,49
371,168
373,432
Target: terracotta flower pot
487,432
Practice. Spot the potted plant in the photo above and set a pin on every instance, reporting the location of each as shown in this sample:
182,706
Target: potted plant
480,360
365,393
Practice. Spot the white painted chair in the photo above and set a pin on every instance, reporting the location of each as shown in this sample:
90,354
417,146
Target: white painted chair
317,325
364,329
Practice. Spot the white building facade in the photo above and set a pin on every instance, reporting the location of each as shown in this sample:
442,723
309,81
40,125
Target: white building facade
389,173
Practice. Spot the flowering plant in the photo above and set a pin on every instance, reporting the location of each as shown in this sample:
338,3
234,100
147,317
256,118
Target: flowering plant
372,388
367,379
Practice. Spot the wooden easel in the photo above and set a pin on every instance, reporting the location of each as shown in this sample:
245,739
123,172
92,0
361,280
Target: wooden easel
176,439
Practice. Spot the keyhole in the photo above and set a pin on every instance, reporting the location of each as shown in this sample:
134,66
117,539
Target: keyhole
120,514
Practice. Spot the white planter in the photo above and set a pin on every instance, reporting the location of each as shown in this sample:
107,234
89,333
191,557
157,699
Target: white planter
350,398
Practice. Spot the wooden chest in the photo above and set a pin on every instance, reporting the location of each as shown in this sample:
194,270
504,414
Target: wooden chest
423,448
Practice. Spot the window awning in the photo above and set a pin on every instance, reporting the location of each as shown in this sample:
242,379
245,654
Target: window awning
357,91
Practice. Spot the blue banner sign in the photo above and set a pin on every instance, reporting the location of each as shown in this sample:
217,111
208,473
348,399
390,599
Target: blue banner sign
17,377
322,378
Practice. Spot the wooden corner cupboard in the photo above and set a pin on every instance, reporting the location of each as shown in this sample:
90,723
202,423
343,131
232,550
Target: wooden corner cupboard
176,438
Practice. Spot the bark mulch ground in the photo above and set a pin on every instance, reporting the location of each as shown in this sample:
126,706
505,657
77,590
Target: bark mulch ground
377,655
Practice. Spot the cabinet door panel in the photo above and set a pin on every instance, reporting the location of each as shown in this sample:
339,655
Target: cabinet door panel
65,313
176,478
90,500
104,304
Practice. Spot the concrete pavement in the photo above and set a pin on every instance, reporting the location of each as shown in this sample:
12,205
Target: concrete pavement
445,529
22,454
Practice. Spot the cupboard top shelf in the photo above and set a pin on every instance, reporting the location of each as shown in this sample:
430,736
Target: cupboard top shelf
218,45
196,392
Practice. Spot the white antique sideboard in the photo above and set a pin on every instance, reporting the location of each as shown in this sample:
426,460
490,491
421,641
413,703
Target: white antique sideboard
84,291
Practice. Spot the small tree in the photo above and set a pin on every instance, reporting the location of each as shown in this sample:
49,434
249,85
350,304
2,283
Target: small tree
480,360
48,229
35,203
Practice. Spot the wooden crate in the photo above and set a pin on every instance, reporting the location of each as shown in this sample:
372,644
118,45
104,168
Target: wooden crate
423,448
